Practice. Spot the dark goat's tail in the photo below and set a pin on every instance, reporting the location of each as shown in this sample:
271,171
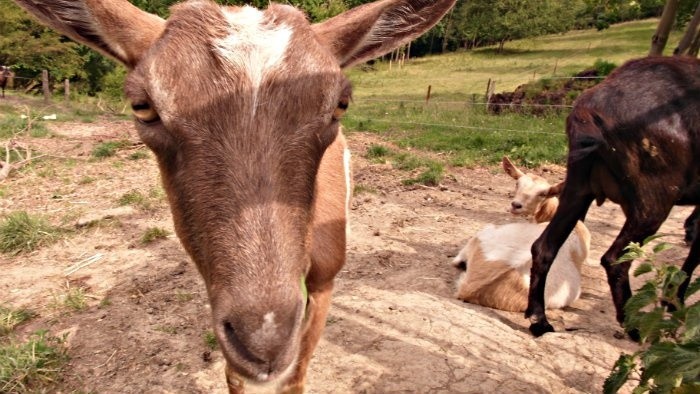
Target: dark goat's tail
585,129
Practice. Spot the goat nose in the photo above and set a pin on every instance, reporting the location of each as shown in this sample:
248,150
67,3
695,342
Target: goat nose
516,205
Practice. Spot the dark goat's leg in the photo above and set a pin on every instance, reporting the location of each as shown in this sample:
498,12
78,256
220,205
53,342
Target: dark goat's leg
691,230
634,230
545,249
693,258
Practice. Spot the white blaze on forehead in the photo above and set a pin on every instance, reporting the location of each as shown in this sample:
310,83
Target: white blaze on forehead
253,46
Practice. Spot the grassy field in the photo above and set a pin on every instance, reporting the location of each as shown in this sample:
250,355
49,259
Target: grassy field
391,101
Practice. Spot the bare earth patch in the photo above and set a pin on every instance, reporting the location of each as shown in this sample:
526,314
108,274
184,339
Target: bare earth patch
394,325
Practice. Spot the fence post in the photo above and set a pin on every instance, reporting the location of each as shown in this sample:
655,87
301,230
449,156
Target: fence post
556,63
66,90
427,96
45,86
490,88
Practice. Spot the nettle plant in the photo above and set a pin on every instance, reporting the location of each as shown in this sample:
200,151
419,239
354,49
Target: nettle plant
669,330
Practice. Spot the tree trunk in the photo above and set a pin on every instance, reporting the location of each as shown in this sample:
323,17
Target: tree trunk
447,30
690,33
695,46
659,39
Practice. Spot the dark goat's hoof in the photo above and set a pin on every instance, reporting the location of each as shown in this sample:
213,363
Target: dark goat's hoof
540,328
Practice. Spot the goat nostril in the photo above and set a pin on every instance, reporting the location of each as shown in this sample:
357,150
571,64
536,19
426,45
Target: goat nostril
516,205
239,346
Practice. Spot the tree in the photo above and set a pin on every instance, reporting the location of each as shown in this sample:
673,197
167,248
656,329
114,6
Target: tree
29,47
487,22
659,39
690,34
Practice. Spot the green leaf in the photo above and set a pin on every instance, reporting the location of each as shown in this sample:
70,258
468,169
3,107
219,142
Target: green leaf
692,323
620,373
646,295
666,362
651,325
660,247
643,269
651,238
693,287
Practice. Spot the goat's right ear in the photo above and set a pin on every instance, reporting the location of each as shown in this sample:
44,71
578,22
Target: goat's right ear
113,27
373,29
555,190
510,168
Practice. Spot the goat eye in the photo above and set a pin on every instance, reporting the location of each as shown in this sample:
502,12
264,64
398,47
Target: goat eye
145,113
340,110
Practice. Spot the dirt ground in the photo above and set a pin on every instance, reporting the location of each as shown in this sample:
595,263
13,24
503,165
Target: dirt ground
394,325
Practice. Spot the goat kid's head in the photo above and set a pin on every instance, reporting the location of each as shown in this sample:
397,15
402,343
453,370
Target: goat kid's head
531,191
238,106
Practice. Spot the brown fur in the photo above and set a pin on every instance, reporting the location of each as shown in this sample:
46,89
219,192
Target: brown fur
503,286
251,157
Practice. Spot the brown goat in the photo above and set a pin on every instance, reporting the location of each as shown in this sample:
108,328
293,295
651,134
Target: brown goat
496,262
251,155
5,75
633,139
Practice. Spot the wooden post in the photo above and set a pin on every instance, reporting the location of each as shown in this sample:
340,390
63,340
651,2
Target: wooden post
66,90
556,63
427,96
45,86
490,87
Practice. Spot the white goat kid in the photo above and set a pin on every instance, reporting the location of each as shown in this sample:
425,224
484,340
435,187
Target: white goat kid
497,260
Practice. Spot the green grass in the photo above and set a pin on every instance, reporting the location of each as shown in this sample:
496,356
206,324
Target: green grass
362,189
183,296
138,155
210,340
31,366
11,318
21,232
153,234
134,198
108,148
74,299
455,122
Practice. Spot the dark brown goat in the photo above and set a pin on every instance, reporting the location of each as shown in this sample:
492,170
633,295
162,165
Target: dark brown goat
5,75
633,139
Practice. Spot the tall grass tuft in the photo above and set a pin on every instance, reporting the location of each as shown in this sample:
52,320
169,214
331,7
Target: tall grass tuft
21,232
11,318
31,366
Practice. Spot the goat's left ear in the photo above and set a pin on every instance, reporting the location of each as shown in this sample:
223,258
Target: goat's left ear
556,189
374,29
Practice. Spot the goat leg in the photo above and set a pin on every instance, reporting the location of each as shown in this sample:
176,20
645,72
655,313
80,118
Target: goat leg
319,302
574,203
693,259
634,230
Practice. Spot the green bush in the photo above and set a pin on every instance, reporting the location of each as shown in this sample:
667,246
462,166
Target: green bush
604,67
668,329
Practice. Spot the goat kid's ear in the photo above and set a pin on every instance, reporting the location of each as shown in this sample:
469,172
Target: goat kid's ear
510,168
114,27
373,29
555,190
